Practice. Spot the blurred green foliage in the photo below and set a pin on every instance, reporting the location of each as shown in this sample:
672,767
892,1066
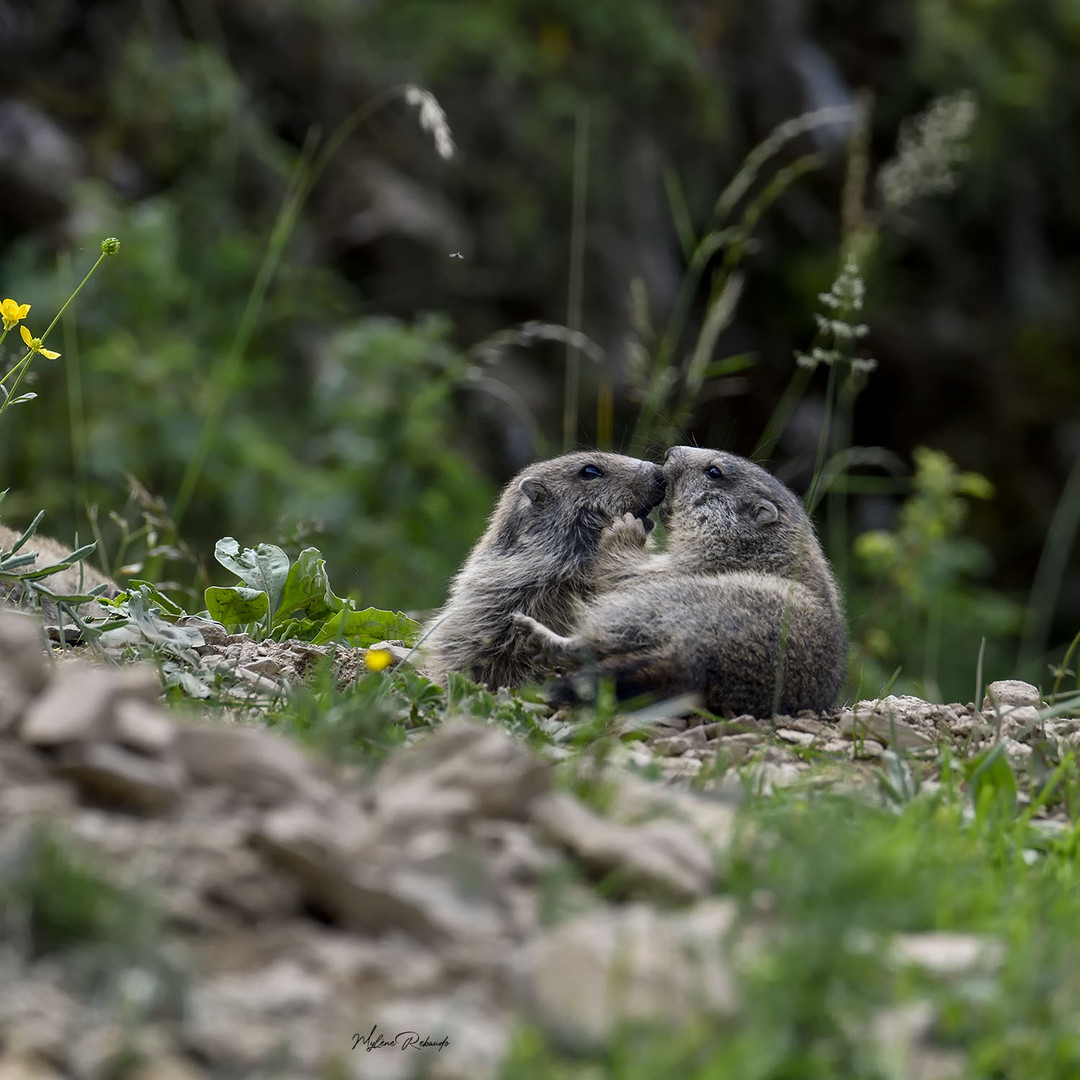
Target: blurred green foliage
925,599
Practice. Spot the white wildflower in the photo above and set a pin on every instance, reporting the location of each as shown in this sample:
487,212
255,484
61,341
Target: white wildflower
433,119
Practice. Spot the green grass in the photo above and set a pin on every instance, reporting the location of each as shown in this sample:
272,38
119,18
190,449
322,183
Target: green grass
831,878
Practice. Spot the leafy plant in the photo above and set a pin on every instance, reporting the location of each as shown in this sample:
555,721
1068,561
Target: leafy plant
20,573
280,600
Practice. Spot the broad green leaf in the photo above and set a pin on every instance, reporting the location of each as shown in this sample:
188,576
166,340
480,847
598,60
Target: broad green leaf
236,605
266,567
307,588
365,627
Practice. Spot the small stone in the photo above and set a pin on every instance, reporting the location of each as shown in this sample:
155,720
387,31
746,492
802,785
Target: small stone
1009,693
397,651
26,1067
586,976
767,776
799,738
22,653
663,856
885,721
270,668
266,768
500,773
213,633
144,728
867,748
672,746
947,954
81,698
109,774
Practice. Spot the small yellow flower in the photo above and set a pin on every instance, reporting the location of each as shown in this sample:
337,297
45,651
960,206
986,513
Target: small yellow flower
13,313
34,344
378,659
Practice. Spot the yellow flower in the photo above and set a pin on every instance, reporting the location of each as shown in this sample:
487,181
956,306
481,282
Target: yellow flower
12,313
34,343
378,659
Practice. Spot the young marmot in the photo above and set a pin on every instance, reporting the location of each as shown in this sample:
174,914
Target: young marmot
536,557
741,608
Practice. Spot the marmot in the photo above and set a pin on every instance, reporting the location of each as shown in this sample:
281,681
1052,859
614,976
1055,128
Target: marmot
78,578
536,556
741,608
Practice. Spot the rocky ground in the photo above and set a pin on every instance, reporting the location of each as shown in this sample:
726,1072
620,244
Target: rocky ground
183,898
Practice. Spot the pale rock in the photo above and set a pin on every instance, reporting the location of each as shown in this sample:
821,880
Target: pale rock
713,818
145,728
397,651
867,748
80,699
245,1018
22,652
888,721
672,746
1018,753
503,775
213,633
417,803
586,976
264,767
738,749
1009,694
680,768
26,1067
902,1036
946,953
664,856
117,777
799,738
767,776
264,666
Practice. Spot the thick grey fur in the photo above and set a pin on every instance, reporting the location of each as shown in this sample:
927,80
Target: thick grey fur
535,557
741,609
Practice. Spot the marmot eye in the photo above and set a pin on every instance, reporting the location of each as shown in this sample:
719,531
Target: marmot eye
714,472
590,472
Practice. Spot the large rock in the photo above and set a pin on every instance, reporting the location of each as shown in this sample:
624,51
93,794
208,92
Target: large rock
585,977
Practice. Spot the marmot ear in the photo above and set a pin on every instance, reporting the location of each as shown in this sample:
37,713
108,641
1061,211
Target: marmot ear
534,489
765,512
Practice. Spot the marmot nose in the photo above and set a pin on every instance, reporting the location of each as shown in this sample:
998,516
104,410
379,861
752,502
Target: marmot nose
672,452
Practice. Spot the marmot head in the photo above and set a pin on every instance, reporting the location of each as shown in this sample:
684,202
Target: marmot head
725,513
562,505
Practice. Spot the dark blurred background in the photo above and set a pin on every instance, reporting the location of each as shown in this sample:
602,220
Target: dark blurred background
353,406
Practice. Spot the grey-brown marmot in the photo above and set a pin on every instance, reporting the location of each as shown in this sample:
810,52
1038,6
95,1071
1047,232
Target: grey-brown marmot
78,578
536,557
741,608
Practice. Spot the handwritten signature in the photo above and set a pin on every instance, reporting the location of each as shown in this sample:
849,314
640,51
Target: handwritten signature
403,1040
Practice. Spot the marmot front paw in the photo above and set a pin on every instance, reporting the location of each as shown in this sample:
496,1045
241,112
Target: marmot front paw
626,533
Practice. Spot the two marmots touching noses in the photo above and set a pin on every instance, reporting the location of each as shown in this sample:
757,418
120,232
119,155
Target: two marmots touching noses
741,608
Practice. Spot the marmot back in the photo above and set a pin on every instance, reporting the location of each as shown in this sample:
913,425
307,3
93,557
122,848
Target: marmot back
741,608
536,556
